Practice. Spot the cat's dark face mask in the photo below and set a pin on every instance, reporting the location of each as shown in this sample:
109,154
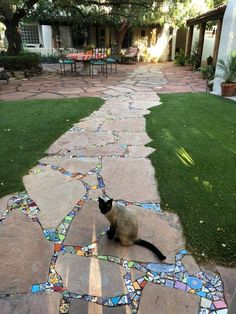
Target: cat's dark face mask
104,206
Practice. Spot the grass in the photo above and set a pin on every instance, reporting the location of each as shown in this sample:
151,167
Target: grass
28,128
195,163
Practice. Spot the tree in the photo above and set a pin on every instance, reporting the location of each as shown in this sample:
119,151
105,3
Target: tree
11,13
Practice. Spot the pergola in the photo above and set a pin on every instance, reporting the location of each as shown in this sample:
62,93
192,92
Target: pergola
217,14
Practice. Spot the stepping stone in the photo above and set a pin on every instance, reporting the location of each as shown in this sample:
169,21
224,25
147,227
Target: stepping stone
87,275
25,254
31,304
167,300
122,175
55,194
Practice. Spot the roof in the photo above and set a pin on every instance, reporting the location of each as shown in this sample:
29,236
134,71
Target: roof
214,14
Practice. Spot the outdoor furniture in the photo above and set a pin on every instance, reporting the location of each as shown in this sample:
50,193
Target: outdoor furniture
83,58
131,55
99,59
65,62
112,58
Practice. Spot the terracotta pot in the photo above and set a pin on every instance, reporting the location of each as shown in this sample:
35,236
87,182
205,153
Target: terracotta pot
228,89
189,67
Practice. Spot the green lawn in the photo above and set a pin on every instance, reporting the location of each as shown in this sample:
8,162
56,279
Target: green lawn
29,127
195,162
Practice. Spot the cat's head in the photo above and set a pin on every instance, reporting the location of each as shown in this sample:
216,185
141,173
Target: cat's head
105,205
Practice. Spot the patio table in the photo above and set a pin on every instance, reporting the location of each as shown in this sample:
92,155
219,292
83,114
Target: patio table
83,58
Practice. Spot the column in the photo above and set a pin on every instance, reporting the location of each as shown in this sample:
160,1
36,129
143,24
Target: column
200,44
217,40
190,39
227,40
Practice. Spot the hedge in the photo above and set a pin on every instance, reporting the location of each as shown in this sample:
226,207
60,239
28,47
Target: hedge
21,62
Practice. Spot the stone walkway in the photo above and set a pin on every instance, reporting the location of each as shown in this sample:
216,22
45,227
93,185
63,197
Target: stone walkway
55,254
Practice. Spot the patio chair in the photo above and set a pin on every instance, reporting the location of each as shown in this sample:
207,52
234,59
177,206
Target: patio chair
98,60
65,62
131,55
112,58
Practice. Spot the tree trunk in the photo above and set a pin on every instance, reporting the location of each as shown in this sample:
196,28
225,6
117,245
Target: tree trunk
13,36
121,35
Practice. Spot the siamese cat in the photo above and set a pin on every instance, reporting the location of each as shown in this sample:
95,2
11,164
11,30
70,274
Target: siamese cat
124,226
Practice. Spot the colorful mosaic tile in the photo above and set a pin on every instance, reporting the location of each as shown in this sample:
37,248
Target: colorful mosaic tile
207,286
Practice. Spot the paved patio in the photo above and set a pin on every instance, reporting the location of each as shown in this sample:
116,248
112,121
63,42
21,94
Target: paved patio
56,257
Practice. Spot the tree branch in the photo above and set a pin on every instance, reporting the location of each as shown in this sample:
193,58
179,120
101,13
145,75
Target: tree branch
24,10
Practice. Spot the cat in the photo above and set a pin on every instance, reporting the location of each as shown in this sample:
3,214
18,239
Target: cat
124,226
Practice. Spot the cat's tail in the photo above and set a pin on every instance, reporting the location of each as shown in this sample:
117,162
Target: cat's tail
151,247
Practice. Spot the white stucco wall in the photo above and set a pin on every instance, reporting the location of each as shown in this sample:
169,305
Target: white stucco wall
47,36
227,41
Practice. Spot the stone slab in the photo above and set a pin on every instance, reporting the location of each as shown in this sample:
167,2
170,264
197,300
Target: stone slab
55,194
163,300
131,180
161,229
138,138
126,125
228,276
67,141
25,254
87,225
87,275
31,304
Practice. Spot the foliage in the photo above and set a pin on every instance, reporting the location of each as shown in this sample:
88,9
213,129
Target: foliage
180,58
194,138
49,58
29,127
208,71
194,58
228,68
20,62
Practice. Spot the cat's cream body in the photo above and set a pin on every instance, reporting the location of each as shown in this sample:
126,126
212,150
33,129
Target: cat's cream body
125,223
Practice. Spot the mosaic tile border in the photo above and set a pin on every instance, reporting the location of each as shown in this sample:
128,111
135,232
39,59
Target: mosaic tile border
208,286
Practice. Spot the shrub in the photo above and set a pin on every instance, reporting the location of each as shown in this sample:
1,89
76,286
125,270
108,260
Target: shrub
180,58
49,58
208,71
24,61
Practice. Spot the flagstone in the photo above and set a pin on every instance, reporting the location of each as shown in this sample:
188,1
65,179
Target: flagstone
54,193
87,225
145,104
25,261
74,165
31,304
161,229
125,125
87,275
228,276
137,138
122,175
103,151
16,95
3,204
166,300
140,151
46,96
68,140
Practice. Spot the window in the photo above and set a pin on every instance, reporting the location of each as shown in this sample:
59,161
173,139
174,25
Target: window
29,33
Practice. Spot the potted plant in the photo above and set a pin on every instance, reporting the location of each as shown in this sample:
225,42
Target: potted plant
193,59
228,68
